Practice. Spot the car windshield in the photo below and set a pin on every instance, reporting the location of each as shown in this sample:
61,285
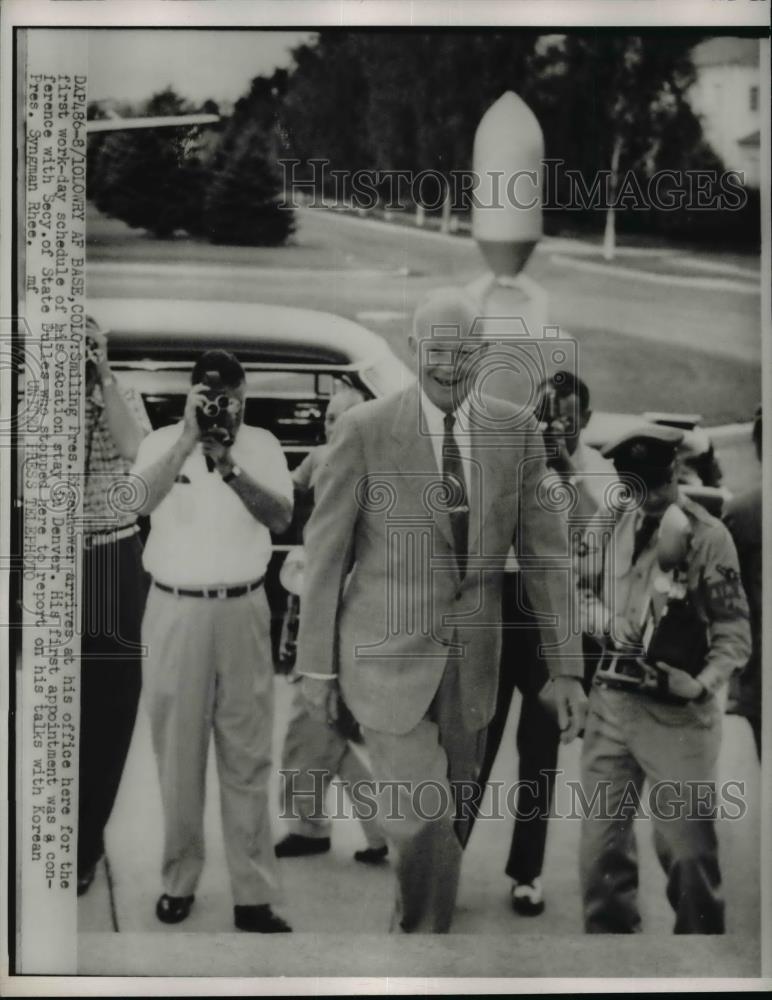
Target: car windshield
291,404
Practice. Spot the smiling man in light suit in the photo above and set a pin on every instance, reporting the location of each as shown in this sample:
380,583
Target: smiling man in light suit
422,496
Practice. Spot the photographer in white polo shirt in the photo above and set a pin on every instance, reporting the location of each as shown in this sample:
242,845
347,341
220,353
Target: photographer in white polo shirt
215,490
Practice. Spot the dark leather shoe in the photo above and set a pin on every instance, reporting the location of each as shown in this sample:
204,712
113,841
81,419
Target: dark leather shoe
173,909
296,846
528,898
372,855
259,920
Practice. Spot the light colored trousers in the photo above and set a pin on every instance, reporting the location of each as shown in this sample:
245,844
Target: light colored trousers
314,752
209,669
417,773
630,738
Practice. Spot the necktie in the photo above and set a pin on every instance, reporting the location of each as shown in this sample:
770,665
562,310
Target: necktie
643,535
453,478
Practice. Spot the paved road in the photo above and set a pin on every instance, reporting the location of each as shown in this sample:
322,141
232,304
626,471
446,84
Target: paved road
641,345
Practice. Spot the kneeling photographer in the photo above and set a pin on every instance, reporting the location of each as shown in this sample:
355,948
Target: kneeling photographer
216,488
660,584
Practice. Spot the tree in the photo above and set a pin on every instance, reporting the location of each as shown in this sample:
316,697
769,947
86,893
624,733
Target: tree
325,112
613,108
243,203
395,100
147,177
608,101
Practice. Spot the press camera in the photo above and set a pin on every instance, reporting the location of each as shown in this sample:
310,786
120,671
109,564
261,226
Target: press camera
672,630
215,413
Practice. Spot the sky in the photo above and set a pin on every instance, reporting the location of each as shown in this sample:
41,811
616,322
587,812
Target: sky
132,65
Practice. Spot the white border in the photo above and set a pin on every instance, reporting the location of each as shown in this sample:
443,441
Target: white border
410,13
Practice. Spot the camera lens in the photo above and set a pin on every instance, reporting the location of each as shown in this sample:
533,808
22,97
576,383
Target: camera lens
210,408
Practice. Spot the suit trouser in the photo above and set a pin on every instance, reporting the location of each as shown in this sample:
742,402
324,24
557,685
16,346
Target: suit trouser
417,775
630,738
209,669
114,588
314,752
538,736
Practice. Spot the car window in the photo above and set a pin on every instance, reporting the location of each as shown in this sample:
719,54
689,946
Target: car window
266,383
290,404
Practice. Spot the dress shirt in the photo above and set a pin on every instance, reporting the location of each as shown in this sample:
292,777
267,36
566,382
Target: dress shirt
433,424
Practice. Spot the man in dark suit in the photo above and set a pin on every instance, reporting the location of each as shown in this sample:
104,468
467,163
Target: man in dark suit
563,406
422,496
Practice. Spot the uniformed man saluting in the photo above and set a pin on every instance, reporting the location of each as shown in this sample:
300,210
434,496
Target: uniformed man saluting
674,627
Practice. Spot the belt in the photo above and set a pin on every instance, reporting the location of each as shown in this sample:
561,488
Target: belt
108,537
629,667
212,592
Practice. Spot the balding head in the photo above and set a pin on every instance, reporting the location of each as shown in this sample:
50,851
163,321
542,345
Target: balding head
445,341
444,311
343,400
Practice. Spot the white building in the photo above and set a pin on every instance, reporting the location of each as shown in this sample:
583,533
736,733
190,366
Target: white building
726,97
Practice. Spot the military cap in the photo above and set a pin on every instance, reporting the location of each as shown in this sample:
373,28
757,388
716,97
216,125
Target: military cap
646,448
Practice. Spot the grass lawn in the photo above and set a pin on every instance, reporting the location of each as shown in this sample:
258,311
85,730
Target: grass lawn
641,347
627,377
112,240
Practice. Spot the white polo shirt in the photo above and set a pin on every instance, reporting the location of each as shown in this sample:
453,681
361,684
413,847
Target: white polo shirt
201,534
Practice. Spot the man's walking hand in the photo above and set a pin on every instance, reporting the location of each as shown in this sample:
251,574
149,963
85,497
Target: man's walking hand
321,698
572,707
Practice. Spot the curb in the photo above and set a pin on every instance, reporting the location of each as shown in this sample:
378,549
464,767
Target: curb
731,277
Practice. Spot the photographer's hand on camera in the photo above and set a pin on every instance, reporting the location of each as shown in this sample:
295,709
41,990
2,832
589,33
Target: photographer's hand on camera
124,427
682,684
624,633
219,451
559,457
191,431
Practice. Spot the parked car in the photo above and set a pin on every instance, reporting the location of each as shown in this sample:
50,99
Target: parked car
295,360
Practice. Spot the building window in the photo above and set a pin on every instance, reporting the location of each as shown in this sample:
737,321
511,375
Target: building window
754,99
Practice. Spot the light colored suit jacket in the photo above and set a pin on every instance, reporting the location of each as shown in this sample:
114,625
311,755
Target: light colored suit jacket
384,603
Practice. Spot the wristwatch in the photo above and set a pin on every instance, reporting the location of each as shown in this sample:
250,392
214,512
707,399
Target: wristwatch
234,473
